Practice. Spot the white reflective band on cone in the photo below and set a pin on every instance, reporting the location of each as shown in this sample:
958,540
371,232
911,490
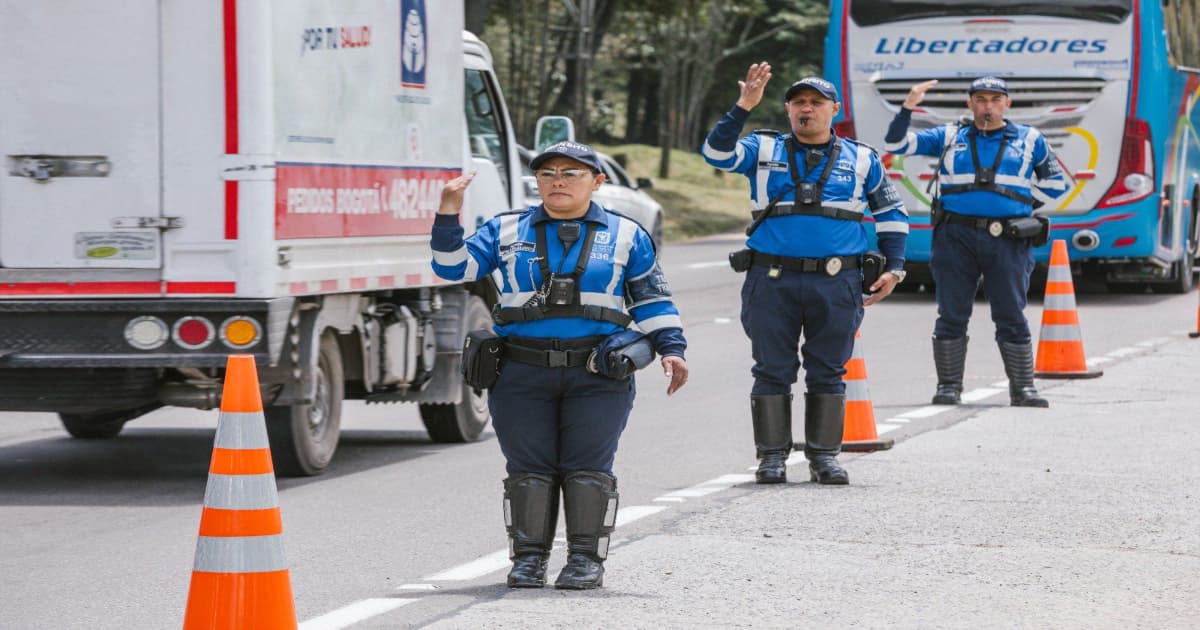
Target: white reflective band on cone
237,430
1060,333
241,492
1059,274
856,353
239,554
857,390
1059,302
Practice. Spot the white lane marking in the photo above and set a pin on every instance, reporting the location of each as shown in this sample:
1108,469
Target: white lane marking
926,412
1152,342
884,427
473,569
704,265
1099,360
670,499
708,487
721,320
351,614
1123,352
898,419
632,513
418,587
980,394
1001,384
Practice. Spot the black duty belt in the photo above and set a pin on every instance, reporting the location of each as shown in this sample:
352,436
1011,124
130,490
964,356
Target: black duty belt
550,352
830,266
830,212
993,226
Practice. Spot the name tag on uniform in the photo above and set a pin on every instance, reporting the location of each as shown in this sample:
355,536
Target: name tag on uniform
774,166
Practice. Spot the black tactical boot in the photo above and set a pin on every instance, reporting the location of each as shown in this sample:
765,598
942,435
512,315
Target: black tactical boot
949,355
824,420
1018,364
772,436
590,505
530,516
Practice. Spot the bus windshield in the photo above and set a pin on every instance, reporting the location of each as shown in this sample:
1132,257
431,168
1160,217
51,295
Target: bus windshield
873,12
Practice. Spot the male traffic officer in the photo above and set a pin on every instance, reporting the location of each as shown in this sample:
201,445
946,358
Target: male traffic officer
989,172
803,263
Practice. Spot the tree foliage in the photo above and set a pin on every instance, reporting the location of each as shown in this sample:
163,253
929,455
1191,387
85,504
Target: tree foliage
657,72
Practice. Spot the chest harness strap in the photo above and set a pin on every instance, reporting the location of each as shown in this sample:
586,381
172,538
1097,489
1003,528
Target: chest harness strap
563,290
985,178
809,194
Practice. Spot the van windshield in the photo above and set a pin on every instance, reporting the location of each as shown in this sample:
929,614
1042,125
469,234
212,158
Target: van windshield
873,12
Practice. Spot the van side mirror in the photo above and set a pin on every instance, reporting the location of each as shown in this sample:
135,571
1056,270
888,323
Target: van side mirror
645,182
552,130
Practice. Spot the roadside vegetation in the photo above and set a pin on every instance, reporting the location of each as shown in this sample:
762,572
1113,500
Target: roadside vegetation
697,200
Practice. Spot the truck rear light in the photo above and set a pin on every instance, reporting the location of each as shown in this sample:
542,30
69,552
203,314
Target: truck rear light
1135,171
845,128
240,332
147,333
193,333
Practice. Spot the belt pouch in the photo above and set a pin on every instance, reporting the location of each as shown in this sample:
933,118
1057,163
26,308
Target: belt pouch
1027,228
741,260
482,351
872,267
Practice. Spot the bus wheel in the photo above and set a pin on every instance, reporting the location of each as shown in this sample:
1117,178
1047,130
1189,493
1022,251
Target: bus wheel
464,421
304,437
1183,271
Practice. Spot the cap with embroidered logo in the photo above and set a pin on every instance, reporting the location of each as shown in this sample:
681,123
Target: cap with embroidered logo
988,84
821,86
579,152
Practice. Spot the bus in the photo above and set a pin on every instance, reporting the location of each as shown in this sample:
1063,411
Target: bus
1112,84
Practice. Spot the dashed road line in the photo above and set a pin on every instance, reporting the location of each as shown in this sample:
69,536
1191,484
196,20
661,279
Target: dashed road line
349,615
976,395
705,265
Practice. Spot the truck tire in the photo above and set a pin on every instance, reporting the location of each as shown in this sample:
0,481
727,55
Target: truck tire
464,421
304,437
92,426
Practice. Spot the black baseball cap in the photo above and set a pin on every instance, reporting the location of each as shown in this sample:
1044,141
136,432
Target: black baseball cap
825,88
581,153
988,84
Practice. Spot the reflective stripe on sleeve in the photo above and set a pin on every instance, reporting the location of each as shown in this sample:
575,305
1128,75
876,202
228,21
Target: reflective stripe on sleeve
891,226
241,430
241,492
239,554
450,259
766,151
652,324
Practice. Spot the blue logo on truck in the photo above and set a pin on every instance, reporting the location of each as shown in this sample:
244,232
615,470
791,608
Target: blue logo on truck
413,47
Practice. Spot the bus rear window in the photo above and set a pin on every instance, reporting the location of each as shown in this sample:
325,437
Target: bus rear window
872,12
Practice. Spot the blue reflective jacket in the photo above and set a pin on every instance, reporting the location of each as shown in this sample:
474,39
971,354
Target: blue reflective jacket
857,183
1028,168
622,272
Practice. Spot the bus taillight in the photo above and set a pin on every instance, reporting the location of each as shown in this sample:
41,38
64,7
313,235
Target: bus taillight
845,128
1135,171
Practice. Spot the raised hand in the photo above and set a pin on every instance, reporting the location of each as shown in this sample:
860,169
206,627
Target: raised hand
917,93
752,88
452,193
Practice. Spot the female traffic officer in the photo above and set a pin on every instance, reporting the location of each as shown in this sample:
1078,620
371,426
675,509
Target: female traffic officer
574,275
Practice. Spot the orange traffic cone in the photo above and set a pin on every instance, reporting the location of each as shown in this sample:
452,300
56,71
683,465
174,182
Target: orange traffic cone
1060,344
240,579
859,434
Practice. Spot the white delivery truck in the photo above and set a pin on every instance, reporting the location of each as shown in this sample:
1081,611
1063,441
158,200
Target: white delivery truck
186,180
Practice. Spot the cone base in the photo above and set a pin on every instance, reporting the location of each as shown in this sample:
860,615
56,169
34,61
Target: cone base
1066,375
1194,335
857,446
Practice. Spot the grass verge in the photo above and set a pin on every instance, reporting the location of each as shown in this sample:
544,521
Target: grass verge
696,199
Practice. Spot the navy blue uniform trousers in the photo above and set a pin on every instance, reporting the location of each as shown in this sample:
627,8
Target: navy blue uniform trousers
960,255
826,310
552,421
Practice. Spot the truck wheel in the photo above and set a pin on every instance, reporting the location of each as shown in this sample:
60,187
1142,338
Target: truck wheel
100,426
304,437
464,421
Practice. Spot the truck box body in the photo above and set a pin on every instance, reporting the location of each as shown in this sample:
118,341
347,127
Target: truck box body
197,164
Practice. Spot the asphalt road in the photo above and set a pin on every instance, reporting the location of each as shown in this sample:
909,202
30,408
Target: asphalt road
102,534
